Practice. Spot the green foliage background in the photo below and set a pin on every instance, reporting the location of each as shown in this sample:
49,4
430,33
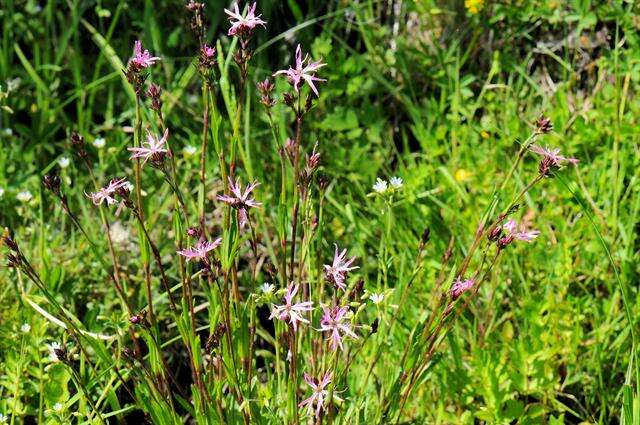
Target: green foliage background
425,90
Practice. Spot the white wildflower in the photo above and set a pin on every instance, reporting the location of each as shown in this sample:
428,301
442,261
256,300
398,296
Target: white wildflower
267,288
58,407
64,162
189,150
396,182
25,328
99,142
376,298
380,186
24,196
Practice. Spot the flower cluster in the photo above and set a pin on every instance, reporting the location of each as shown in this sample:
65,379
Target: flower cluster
383,187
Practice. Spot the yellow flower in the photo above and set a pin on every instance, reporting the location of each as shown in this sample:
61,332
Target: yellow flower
474,6
485,134
462,175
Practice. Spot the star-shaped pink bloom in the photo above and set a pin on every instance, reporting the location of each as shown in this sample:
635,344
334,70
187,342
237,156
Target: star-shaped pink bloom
332,321
520,233
200,250
243,24
105,193
303,73
460,286
240,200
142,58
289,310
553,155
152,148
319,395
337,272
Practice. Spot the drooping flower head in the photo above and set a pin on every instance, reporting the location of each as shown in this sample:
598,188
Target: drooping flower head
290,311
240,200
201,250
152,149
243,24
334,320
106,193
303,73
319,394
515,232
337,272
551,159
142,58
460,286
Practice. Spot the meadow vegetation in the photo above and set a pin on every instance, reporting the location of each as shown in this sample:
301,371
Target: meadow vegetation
401,212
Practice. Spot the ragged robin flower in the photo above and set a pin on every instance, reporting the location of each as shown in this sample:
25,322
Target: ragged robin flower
319,394
303,73
290,311
142,58
240,200
336,273
551,159
243,24
334,320
152,149
106,193
460,286
201,250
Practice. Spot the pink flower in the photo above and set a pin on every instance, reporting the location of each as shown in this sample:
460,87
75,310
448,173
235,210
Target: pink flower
209,52
332,321
142,58
337,272
153,148
200,250
319,394
460,286
241,200
521,233
552,156
243,24
302,73
290,311
105,194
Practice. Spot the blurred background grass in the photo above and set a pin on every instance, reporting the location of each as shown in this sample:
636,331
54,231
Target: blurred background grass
439,93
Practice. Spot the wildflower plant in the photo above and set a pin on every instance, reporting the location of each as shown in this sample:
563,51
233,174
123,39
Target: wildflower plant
234,309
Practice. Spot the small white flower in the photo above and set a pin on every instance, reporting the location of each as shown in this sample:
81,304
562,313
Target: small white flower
380,186
1,192
189,150
99,142
13,84
52,351
25,328
396,182
3,419
64,162
267,288
376,298
24,196
58,407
